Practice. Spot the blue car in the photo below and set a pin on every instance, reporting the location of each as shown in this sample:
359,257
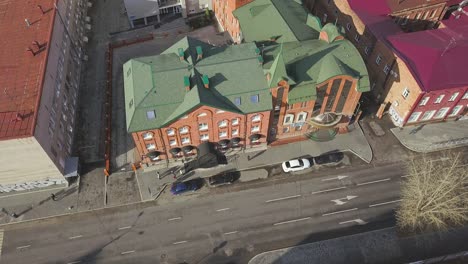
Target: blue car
182,187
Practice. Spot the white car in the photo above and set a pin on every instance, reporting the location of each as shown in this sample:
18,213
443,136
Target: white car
295,165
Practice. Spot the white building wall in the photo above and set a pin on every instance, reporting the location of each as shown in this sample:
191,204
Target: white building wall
28,166
141,8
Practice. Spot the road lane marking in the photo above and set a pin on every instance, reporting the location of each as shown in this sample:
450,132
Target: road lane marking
23,247
389,202
127,252
223,209
365,183
179,242
230,233
292,221
73,237
125,227
347,198
405,176
358,221
283,198
329,190
74,262
335,178
175,218
339,212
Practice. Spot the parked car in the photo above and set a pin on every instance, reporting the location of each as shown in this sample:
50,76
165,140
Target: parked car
223,178
329,158
183,187
296,165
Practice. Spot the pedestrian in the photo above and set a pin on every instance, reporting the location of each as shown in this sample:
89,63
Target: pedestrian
175,175
53,197
159,175
14,215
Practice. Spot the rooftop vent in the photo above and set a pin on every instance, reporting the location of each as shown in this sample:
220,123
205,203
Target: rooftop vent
181,54
206,81
199,52
187,83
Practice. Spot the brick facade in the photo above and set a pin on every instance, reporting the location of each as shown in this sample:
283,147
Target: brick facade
202,125
223,11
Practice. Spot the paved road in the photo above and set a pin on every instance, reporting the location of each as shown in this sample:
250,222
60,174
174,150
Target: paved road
226,225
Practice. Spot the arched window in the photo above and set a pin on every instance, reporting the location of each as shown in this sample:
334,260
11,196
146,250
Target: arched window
223,123
170,132
184,130
147,135
256,118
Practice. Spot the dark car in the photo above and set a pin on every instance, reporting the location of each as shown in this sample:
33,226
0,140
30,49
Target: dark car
188,186
222,179
329,158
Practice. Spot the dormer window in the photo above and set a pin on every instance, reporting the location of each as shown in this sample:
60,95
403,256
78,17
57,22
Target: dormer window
151,114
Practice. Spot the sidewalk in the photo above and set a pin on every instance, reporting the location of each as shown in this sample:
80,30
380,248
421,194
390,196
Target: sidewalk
433,137
354,142
380,246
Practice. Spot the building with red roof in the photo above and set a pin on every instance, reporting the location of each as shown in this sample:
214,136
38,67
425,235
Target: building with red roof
40,62
407,59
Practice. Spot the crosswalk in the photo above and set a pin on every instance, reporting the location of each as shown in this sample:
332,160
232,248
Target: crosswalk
1,242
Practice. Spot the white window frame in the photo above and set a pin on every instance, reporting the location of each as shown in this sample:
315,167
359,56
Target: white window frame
348,26
441,113
465,96
302,115
172,142
366,50
223,123
185,140
424,100
235,121
291,116
405,93
147,135
235,132
202,126
378,60
256,118
430,113
150,146
357,38
456,110
183,130
255,128
453,97
439,99
386,69
204,137
414,117
170,132
222,134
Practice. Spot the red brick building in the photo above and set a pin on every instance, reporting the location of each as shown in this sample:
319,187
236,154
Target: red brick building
223,12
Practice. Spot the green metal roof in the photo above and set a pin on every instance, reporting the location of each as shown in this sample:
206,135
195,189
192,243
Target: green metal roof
262,20
311,62
157,83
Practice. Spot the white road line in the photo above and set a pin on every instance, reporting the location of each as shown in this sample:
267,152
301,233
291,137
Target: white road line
73,237
175,218
125,227
329,190
127,252
23,247
292,221
389,202
230,233
180,242
283,198
224,209
339,212
365,183
404,176
74,262
357,221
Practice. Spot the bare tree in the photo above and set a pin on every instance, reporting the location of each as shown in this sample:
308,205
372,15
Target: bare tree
435,194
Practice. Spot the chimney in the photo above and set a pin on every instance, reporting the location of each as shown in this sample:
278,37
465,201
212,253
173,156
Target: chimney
260,60
180,51
199,52
27,22
206,81
187,83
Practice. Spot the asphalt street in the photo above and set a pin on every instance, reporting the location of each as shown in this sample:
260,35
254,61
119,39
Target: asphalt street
223,226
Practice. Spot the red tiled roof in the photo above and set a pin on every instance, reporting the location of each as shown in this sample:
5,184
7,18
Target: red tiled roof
438,58
22,73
